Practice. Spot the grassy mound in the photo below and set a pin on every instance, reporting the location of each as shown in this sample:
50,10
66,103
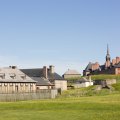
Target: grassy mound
89,91
116,86
99,77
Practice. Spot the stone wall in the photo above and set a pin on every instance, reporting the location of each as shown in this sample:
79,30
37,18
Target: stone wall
72,76
61,84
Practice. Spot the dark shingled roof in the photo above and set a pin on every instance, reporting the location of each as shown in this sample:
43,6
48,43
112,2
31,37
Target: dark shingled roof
39,73
54,76
118,65
33,72
89,66
102,67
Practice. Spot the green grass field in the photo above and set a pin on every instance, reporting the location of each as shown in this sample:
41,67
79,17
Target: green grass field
104,76
82,108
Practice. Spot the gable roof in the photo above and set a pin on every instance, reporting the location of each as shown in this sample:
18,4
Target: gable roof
14,75
89,66
38,72
42,81
72,72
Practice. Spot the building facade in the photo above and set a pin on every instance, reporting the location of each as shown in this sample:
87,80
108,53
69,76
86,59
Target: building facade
46,78
12,80
71,74
110,67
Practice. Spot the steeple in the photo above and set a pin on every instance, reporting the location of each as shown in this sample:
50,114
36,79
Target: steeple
108,62
108,54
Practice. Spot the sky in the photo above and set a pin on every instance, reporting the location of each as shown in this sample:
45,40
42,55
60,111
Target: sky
65,33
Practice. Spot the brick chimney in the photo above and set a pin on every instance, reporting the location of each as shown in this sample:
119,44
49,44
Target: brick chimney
13,67
117,60
51,69
95,66
45,72
113,61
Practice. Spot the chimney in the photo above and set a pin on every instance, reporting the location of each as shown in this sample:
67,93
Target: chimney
51,68
117,60
113,61
13,67
45,74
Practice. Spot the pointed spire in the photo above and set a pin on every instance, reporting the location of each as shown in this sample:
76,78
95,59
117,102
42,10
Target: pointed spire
108,52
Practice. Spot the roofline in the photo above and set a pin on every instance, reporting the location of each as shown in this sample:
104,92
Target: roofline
15,82
71,74
30,68
44,85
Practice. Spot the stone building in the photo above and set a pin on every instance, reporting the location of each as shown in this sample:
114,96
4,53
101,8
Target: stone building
71,74
110,67
12,80
83,82
46,78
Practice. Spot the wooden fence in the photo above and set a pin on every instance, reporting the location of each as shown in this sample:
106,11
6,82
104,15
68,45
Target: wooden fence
41,94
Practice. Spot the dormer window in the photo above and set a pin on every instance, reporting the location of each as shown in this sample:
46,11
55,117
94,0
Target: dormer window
2,75
12,75
23,76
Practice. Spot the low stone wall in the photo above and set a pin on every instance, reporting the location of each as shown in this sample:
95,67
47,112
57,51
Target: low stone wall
41,94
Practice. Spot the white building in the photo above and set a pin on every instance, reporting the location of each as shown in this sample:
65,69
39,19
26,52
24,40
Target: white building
83,82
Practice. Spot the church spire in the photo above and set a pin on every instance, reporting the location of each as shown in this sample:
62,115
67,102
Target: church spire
108,62
108,54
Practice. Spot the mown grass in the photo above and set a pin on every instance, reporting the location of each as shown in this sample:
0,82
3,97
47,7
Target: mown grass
82,108
116,87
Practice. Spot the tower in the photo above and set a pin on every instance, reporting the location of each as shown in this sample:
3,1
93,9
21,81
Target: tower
108,62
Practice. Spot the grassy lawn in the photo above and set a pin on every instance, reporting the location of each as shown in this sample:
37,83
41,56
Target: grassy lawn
97,77
81,108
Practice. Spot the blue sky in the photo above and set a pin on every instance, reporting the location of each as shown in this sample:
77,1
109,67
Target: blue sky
65,33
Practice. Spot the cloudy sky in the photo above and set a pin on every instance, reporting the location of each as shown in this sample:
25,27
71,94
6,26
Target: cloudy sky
65,33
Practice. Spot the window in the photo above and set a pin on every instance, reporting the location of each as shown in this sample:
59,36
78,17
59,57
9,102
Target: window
23,76
2,75
21,84
26,84
11,84
5,84
12,75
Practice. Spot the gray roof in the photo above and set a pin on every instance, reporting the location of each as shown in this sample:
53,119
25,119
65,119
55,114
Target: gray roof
42,81
9,74
38,72
72,72
89,66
